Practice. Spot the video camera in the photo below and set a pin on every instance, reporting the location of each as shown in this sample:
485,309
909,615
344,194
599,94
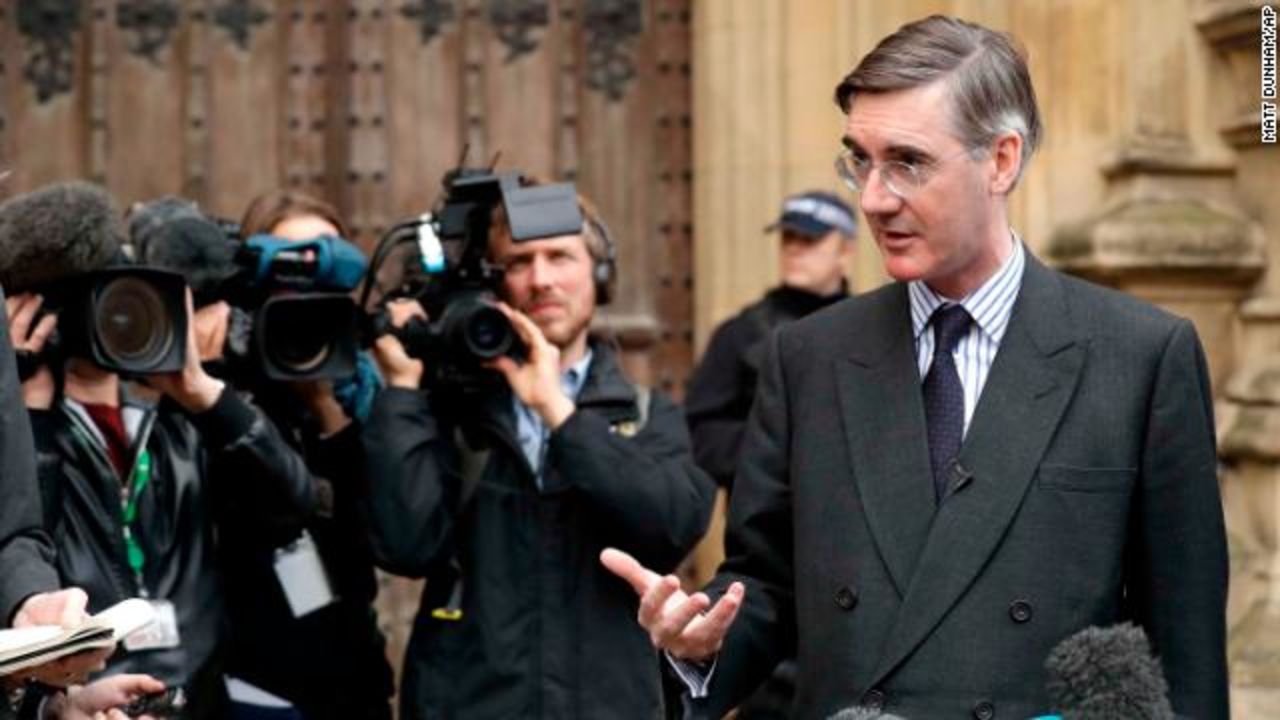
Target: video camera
64,241
303,325
448,270
291,316
128,320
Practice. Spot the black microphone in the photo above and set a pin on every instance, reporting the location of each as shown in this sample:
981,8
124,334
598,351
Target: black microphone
1108,674
65,240
171,233
56,233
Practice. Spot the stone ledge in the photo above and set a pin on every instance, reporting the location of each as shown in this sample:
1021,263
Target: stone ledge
1230,23
1150,237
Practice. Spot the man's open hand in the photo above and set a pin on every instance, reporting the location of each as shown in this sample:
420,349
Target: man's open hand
676,622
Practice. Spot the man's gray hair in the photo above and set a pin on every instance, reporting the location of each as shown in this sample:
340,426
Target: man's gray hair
985,70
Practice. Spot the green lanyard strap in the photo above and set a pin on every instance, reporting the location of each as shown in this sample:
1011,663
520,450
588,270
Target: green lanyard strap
138,481
139,478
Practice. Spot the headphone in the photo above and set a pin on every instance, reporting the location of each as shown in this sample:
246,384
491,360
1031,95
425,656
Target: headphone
605,270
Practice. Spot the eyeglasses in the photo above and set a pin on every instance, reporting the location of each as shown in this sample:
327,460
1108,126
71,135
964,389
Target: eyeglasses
901,178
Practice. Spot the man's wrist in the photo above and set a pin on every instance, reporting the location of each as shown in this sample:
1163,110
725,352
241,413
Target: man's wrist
556,410
200,393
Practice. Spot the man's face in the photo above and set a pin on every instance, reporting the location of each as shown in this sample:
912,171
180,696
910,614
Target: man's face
941,233
550,280
813,264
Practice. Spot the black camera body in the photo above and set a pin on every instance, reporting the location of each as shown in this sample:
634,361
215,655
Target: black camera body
307,336
125,319
291,319
457,283
296,321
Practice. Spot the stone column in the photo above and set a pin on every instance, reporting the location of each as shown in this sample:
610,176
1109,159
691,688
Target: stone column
1249,420
1184,224
1170,229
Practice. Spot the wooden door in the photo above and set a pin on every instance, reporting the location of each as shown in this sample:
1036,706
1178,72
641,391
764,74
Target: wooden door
367,103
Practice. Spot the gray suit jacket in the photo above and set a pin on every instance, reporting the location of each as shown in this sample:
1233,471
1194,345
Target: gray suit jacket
1085,494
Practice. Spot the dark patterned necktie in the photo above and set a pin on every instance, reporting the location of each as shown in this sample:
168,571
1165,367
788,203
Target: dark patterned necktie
943,394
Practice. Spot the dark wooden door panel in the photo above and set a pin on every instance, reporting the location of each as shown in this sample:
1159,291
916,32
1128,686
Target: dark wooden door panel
367,103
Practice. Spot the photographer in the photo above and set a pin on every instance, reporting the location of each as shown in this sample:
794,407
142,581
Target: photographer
127,486
27,574
503,499
320,651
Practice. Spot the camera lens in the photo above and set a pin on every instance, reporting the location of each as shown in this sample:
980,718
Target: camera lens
487,332
300,340
132,322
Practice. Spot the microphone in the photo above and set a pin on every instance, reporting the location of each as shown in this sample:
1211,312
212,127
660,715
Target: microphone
58,232
1108,674
65,241
171,233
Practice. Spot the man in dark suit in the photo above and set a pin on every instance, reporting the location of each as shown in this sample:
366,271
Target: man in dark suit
947,476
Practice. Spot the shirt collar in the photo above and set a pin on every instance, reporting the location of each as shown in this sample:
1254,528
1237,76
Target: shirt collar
574,378
990,305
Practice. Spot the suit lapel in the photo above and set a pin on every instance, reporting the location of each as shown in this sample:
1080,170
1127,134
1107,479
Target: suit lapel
1031,381
886,435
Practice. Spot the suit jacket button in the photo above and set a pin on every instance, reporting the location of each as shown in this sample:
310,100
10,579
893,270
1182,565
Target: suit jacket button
1020,611
846,597
874,699
984,710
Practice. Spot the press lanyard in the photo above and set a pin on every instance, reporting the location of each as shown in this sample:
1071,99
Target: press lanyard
139,478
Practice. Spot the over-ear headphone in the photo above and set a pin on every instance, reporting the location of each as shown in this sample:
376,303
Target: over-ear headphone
605,270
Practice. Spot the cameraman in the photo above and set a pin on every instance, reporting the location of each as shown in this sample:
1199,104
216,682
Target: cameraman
27,576
330,662
126,485
562,459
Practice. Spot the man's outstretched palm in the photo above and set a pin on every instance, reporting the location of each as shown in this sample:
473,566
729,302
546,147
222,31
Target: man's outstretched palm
676,622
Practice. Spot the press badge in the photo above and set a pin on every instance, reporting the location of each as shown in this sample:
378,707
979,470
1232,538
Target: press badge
302,576
160,634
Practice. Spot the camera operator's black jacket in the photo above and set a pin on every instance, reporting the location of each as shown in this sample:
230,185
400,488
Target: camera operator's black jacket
330,663
260,481
545,631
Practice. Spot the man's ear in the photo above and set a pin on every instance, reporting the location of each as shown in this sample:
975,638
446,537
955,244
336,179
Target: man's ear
1006,161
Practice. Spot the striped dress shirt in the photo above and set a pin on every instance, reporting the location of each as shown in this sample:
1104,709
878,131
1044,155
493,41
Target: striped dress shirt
990,307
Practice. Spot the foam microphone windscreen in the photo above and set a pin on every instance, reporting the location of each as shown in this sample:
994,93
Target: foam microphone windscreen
1108,674
55,233
171,234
